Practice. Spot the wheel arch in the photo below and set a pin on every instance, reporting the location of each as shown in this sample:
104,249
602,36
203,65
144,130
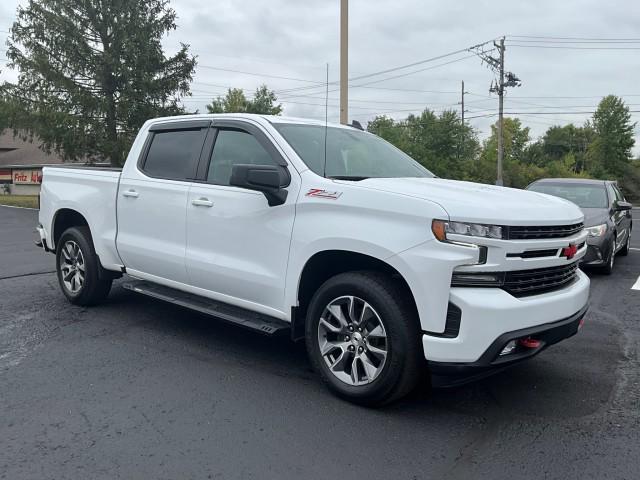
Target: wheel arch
63,219
325,264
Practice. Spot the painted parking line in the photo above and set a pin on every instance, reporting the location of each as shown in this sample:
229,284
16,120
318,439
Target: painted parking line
633,248
29,208
636,286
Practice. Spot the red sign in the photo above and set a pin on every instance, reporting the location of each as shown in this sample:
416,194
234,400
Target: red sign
27,177
5,175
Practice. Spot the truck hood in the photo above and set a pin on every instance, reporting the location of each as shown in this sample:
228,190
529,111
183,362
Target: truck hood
476,202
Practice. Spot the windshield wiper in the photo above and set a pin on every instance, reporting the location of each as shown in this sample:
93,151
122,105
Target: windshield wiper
352,178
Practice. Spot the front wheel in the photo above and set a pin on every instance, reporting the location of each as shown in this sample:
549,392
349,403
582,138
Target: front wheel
363,338
624,251
82,279
607,269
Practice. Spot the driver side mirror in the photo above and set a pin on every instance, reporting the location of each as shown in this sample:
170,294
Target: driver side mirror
621,206
267,179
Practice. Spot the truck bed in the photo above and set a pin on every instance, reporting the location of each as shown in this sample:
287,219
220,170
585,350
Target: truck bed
90,190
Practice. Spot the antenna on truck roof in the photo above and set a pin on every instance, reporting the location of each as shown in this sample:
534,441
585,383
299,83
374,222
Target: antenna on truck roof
326,122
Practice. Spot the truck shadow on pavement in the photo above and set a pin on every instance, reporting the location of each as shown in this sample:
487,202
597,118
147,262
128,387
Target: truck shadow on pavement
571,379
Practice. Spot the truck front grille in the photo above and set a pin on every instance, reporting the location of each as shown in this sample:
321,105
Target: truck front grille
521,283
547,231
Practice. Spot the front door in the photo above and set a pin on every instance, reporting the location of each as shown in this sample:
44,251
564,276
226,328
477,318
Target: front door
237,245
619,217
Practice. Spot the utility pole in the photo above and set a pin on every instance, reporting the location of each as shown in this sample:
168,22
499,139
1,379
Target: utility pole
344,62
461,142
499,180
505,79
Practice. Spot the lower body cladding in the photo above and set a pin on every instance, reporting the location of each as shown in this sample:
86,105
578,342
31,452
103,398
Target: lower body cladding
497,329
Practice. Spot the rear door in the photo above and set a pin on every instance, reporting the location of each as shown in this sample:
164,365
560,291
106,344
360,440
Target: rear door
152,200
237,245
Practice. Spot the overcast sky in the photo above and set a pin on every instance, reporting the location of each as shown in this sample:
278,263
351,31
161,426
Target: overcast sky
296,39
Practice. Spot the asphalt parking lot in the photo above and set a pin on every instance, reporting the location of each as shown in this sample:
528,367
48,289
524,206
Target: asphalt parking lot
135,388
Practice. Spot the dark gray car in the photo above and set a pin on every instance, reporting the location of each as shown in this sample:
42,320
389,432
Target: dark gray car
607,216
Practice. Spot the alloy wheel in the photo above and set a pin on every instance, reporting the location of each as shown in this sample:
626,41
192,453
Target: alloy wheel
353,340
72,266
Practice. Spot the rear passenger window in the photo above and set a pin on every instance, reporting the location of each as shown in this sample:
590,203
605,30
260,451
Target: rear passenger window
235,147
174,154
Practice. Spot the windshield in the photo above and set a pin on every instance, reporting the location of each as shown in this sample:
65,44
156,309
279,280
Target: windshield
585,196
351,154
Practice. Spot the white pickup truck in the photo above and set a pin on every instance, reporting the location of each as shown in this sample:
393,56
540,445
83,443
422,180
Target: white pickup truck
327,233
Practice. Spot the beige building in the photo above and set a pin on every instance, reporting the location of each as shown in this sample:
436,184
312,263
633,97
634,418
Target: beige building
21,164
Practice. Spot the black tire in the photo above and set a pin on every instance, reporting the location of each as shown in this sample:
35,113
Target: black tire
97,281
624,251
404,362
607,268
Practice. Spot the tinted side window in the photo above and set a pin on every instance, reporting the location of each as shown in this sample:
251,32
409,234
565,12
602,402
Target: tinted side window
235,147
173,154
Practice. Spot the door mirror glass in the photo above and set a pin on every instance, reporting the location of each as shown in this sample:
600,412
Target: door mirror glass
262,178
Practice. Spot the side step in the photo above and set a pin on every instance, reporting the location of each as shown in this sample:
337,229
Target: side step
230,313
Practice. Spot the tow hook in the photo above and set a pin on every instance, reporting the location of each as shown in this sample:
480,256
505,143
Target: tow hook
529,342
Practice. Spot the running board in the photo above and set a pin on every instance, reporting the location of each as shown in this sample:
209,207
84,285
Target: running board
236,315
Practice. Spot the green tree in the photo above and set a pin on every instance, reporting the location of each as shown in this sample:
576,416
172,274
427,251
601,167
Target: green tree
560,141
235,101
439,142
610,152
387,128
92,72
515,171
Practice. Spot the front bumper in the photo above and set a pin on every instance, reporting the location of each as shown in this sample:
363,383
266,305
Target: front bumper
598,250
491,361
487,313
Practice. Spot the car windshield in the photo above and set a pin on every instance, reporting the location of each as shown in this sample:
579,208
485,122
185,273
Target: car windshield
585,196
351,154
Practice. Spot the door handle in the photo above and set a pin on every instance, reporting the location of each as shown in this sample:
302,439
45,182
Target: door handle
130,193
202,202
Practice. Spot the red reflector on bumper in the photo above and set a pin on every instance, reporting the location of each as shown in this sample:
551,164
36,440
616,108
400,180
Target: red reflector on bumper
529,342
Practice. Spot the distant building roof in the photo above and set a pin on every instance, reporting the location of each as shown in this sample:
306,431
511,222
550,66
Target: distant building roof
14,151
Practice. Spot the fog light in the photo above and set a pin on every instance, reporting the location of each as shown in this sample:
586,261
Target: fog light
509,348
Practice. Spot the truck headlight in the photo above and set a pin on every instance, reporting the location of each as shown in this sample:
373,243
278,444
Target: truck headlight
597,230
477,279
442,228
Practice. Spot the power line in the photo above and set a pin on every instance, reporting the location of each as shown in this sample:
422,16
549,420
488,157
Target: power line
574,96
415,71
575,38
261,74
572,48
553,113
401,67
583,41
286,92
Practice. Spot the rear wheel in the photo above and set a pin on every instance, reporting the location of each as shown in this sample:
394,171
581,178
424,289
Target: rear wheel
82,279
363,338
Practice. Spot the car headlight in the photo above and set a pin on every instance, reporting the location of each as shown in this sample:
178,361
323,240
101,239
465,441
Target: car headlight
597,230
442,228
